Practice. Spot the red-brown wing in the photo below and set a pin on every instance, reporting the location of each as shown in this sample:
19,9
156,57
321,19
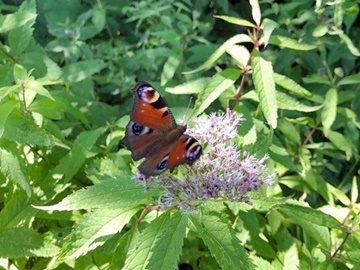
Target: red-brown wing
185,150
140,139
150,109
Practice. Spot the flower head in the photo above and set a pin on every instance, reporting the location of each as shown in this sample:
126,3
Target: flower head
221,172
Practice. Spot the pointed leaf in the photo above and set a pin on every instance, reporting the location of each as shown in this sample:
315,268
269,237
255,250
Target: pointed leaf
241,38
215,87
5,110
160,244
265,87
23,242
222,242
256,12
268,27
286,102
169,69
291,85
237,21
191,87
328,113
116,192
290,43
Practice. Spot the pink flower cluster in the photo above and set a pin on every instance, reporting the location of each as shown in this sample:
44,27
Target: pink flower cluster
222,172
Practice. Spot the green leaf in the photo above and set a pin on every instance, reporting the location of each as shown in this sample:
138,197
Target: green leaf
291,85
286,102
328,113
12,166
20,128
221,241
265,87
349,44
26,14
116,192
268,27
81,70
290,43
5,111
170,67
70,164
351,79
94,229
237,21
298,212
160,244
191,87
354,191
240,38
24,242
19,39
255,11
240,54
340,141
215,87
19,73
37,87
53,109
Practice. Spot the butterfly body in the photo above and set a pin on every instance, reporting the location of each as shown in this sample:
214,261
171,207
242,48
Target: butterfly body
152,134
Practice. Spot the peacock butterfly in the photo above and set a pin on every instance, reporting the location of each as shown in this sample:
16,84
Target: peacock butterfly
152,134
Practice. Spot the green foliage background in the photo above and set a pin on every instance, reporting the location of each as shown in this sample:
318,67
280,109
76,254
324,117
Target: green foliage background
67,198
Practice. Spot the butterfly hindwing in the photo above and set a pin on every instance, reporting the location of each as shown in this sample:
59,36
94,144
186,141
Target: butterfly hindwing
185,150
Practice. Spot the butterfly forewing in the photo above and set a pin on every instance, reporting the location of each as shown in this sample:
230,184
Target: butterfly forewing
150,109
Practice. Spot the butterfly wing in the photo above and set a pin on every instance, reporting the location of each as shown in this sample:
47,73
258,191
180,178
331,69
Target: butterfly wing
184,150
150,109
150,118
152,133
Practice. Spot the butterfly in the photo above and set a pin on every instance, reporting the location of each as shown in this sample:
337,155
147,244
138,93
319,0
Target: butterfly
153,134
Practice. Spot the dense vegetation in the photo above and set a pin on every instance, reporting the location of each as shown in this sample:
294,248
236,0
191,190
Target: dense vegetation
288,71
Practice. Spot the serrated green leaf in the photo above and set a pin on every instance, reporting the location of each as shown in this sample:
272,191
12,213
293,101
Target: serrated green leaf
286,102
255,11
70,164
265,87
298,212
241,38
12,167
328,113
17,210
291,85
116,192
20,128
24,242
237,21
94,229
19,39
215,87
169,69
81,70
290,43
191,87
160,244
221,241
